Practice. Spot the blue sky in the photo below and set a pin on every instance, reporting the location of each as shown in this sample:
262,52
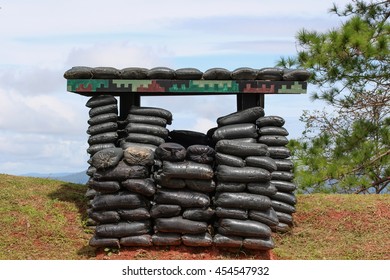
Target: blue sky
43,127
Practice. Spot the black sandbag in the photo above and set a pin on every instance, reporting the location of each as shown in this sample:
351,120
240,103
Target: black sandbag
241,149
267,163
150,129
220,240
197,240
145,187
161,73
285,218
121,172
232,213
146,119
137,155
138,214
170,183
79,72
249,115
217,74
267,217
145,139
281,228
244,73
103,118
123,229
105,73
273,140
225,159
90,171
188,74
179,225
296,75
234,131
245,228
282,176
210,132
101,100
230,187
164,210
197,214
104,217
262,188
136,73
152,111
166,239
282,207
205,186
226,173
122,200
188,138
279,152
90,193
285,197
106,137
103,127
284,186
270,74
171,152
104,186
273,130
270,121
200,153
107,158
139,240
258,243
93,149
124,145
242,201
187,170
97,241
284,164
106,109
184,198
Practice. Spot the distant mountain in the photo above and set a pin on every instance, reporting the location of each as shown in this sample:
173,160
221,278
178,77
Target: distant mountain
76,178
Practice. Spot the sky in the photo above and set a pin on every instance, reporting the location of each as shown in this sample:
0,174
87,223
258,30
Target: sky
43,127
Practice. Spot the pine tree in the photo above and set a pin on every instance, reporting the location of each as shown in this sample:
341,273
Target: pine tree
346,146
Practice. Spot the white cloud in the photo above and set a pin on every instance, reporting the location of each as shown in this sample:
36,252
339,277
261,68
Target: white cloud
43,126
119,55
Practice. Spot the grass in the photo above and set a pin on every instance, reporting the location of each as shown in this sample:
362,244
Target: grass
338,227
44,219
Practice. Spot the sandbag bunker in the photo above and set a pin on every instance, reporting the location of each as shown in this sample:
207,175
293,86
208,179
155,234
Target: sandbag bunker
231,187
150,186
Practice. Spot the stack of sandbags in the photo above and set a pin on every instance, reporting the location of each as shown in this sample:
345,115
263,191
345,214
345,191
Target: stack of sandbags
146,127
102,129
103,123
181,209
273,134
243,173
121,208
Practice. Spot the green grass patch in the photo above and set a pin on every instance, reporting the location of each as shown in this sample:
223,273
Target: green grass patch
44,219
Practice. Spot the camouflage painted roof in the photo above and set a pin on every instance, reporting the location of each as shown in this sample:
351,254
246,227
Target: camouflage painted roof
166,81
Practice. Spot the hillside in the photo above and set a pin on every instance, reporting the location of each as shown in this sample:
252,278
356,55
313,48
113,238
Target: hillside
44,219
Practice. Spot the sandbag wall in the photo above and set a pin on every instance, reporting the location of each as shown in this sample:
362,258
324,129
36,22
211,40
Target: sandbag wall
102,131
273,134
181,209
151,186
243,174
